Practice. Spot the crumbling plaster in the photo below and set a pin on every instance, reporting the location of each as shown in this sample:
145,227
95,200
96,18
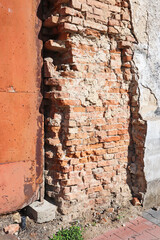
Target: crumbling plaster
145,19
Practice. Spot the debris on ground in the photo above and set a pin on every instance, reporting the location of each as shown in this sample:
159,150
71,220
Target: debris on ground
12,229
136,202
95,223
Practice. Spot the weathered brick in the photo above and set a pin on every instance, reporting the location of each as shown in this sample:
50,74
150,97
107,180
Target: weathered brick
88,113
68,27
90,165
126,15
114,8
97,4
51,21
77,20
76,4
113,22
112,30
124,44
96,26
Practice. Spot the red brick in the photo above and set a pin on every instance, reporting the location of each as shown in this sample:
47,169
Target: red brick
51,21
69,102
98,11
67,11
114,22
124,44
114,8
78,167
112,139
97,4
68,27
96,26
90,165
112,30
12,229
71,182
79,109
127,58
126,15
76,4
87,91
83,160
92,32
77,21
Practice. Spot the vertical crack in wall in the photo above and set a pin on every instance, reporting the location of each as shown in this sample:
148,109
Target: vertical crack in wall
138,132
138,136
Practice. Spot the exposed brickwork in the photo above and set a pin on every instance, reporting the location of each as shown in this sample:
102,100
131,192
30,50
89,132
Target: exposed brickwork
88,70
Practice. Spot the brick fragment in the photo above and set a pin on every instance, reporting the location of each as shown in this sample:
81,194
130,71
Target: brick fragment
97,26
124,44
68,27
77,20
112,30
49,68
113,22
12,229
56,46
51,21
91,32
114,8
136,202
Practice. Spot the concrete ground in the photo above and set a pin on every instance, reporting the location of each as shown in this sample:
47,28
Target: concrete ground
139,229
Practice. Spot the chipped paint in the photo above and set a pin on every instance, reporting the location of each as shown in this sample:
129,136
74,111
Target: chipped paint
11,89
6,8
9,10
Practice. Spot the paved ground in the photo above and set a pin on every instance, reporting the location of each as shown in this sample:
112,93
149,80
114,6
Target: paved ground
152,216
139,229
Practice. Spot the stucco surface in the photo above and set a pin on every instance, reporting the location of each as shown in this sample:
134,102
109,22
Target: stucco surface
147,56
146,24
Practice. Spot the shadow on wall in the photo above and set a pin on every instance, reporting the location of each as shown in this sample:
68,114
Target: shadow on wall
56,115
40,37
137,130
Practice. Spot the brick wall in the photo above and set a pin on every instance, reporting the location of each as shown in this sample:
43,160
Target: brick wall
88,71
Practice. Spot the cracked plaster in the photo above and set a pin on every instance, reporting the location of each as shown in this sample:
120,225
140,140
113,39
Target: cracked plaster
146,24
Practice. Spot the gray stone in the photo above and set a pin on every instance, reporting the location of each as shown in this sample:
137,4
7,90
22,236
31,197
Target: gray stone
152,216
42,211
152,196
